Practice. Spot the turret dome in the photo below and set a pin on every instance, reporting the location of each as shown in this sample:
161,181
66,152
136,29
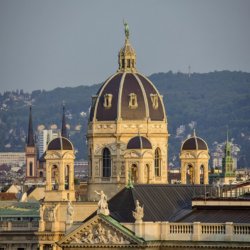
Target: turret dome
60,143
139,142
194,143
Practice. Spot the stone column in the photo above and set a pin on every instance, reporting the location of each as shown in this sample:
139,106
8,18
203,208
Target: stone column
61,176
183,173
48,177
71,178
140,169
205,173
197,173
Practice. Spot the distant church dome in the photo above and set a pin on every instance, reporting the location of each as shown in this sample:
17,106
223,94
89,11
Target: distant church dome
139,142
127,95
60,143
194,143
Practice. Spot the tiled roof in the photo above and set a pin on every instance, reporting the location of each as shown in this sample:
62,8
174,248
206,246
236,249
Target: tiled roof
161,202
218,215
8,196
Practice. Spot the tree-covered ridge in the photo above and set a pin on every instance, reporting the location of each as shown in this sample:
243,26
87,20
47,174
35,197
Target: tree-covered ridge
209,102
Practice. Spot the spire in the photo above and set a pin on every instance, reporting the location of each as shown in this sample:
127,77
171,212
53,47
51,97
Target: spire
30,140
127,55
227,160
64,128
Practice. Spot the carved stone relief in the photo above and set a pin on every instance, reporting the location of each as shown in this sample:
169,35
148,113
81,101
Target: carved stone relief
99,234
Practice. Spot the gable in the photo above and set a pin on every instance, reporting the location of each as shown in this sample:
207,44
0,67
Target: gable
100,231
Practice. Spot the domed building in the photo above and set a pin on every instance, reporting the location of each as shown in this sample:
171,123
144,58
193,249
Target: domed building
127,131
194,158
59,158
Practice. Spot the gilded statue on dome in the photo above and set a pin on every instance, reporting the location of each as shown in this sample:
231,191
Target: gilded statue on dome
126,29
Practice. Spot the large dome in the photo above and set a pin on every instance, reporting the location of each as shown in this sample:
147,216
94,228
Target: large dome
120,87
127,95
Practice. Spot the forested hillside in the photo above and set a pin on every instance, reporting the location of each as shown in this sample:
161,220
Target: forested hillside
209,102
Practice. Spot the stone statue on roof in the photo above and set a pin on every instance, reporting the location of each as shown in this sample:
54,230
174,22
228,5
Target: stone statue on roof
102,203
139,212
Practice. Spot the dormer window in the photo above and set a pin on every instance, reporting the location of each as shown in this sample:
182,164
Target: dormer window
133,101
154,99
94,98
107,101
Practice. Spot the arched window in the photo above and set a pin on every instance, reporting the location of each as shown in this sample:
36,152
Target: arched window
31,169
67,177
157,162
41,174
106,163
55,176
202,174
190,174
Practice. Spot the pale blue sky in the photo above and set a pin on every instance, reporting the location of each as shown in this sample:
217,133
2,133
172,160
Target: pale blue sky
46,44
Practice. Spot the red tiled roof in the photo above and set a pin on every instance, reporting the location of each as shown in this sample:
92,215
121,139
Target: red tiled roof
8,196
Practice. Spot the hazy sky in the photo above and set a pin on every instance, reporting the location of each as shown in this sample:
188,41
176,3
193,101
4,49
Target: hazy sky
46,44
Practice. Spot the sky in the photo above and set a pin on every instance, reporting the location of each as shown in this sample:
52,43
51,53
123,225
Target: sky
46,44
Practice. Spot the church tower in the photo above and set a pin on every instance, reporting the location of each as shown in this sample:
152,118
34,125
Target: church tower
31,152
227,163
127,130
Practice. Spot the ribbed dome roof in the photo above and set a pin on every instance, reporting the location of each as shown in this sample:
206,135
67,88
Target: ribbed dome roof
194,143
121,88
127,95
139,142
60,143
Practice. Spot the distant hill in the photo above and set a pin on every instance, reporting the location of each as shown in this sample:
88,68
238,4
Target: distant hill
209,102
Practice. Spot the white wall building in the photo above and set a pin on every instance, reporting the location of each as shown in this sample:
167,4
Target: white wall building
12,158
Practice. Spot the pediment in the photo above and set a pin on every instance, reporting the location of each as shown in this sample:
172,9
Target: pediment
53,155
187,155
148,154
203,155
68,155
100,231
132,154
